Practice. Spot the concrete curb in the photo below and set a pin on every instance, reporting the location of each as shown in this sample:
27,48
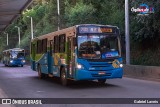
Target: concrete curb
142,72
3,95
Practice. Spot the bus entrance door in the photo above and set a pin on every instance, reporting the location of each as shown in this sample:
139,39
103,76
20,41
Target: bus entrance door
50,59
71,57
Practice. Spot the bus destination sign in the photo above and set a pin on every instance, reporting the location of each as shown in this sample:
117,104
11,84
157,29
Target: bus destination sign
95,29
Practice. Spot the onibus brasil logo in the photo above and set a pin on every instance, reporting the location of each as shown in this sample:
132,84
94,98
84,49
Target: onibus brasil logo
143,9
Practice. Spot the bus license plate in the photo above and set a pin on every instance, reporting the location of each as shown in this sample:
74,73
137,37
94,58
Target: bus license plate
101,73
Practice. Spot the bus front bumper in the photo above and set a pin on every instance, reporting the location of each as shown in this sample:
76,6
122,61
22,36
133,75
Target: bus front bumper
14,63
92,75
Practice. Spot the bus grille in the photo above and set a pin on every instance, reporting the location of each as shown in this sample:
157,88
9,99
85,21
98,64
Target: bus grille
100,66
101,60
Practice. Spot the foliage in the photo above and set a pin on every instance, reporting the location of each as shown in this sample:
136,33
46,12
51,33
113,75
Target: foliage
146,57
80,14
147,30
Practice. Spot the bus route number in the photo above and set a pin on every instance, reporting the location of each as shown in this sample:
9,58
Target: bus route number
95,30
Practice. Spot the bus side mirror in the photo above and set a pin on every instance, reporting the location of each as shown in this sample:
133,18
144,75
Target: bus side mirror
74,41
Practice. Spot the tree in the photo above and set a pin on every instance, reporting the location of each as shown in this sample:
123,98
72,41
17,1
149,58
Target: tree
80,14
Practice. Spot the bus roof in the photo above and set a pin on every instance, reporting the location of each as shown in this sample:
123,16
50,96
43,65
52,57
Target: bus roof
68,30
96,25
56,33
15,49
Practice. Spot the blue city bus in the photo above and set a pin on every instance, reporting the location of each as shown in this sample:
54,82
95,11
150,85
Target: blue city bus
14,57
81,52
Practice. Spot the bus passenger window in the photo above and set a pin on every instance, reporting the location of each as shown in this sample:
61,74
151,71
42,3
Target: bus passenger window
44,45
62,43
39,46
56,44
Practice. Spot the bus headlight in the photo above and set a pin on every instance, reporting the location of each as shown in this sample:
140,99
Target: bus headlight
121,65
23,61
79,66
11,61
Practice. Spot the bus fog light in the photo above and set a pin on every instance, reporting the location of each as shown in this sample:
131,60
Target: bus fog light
11,61
121,65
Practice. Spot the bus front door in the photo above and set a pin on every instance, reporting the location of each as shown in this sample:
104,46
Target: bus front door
71,57
50,59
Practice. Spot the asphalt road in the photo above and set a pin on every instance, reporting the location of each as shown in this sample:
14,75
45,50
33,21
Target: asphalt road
22,82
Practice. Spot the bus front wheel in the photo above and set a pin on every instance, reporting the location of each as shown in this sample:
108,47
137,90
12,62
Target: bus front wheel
64,79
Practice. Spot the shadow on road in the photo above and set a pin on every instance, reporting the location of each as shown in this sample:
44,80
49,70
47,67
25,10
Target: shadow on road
3,66
90,84
76,84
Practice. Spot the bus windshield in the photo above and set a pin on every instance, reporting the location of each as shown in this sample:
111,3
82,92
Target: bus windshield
96,46
17,54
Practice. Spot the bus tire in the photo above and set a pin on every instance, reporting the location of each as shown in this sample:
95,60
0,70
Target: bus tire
5,64
21,65
101,81
64,79
40,74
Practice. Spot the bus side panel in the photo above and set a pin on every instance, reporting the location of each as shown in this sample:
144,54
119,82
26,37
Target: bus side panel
50,61
42,60
56,65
